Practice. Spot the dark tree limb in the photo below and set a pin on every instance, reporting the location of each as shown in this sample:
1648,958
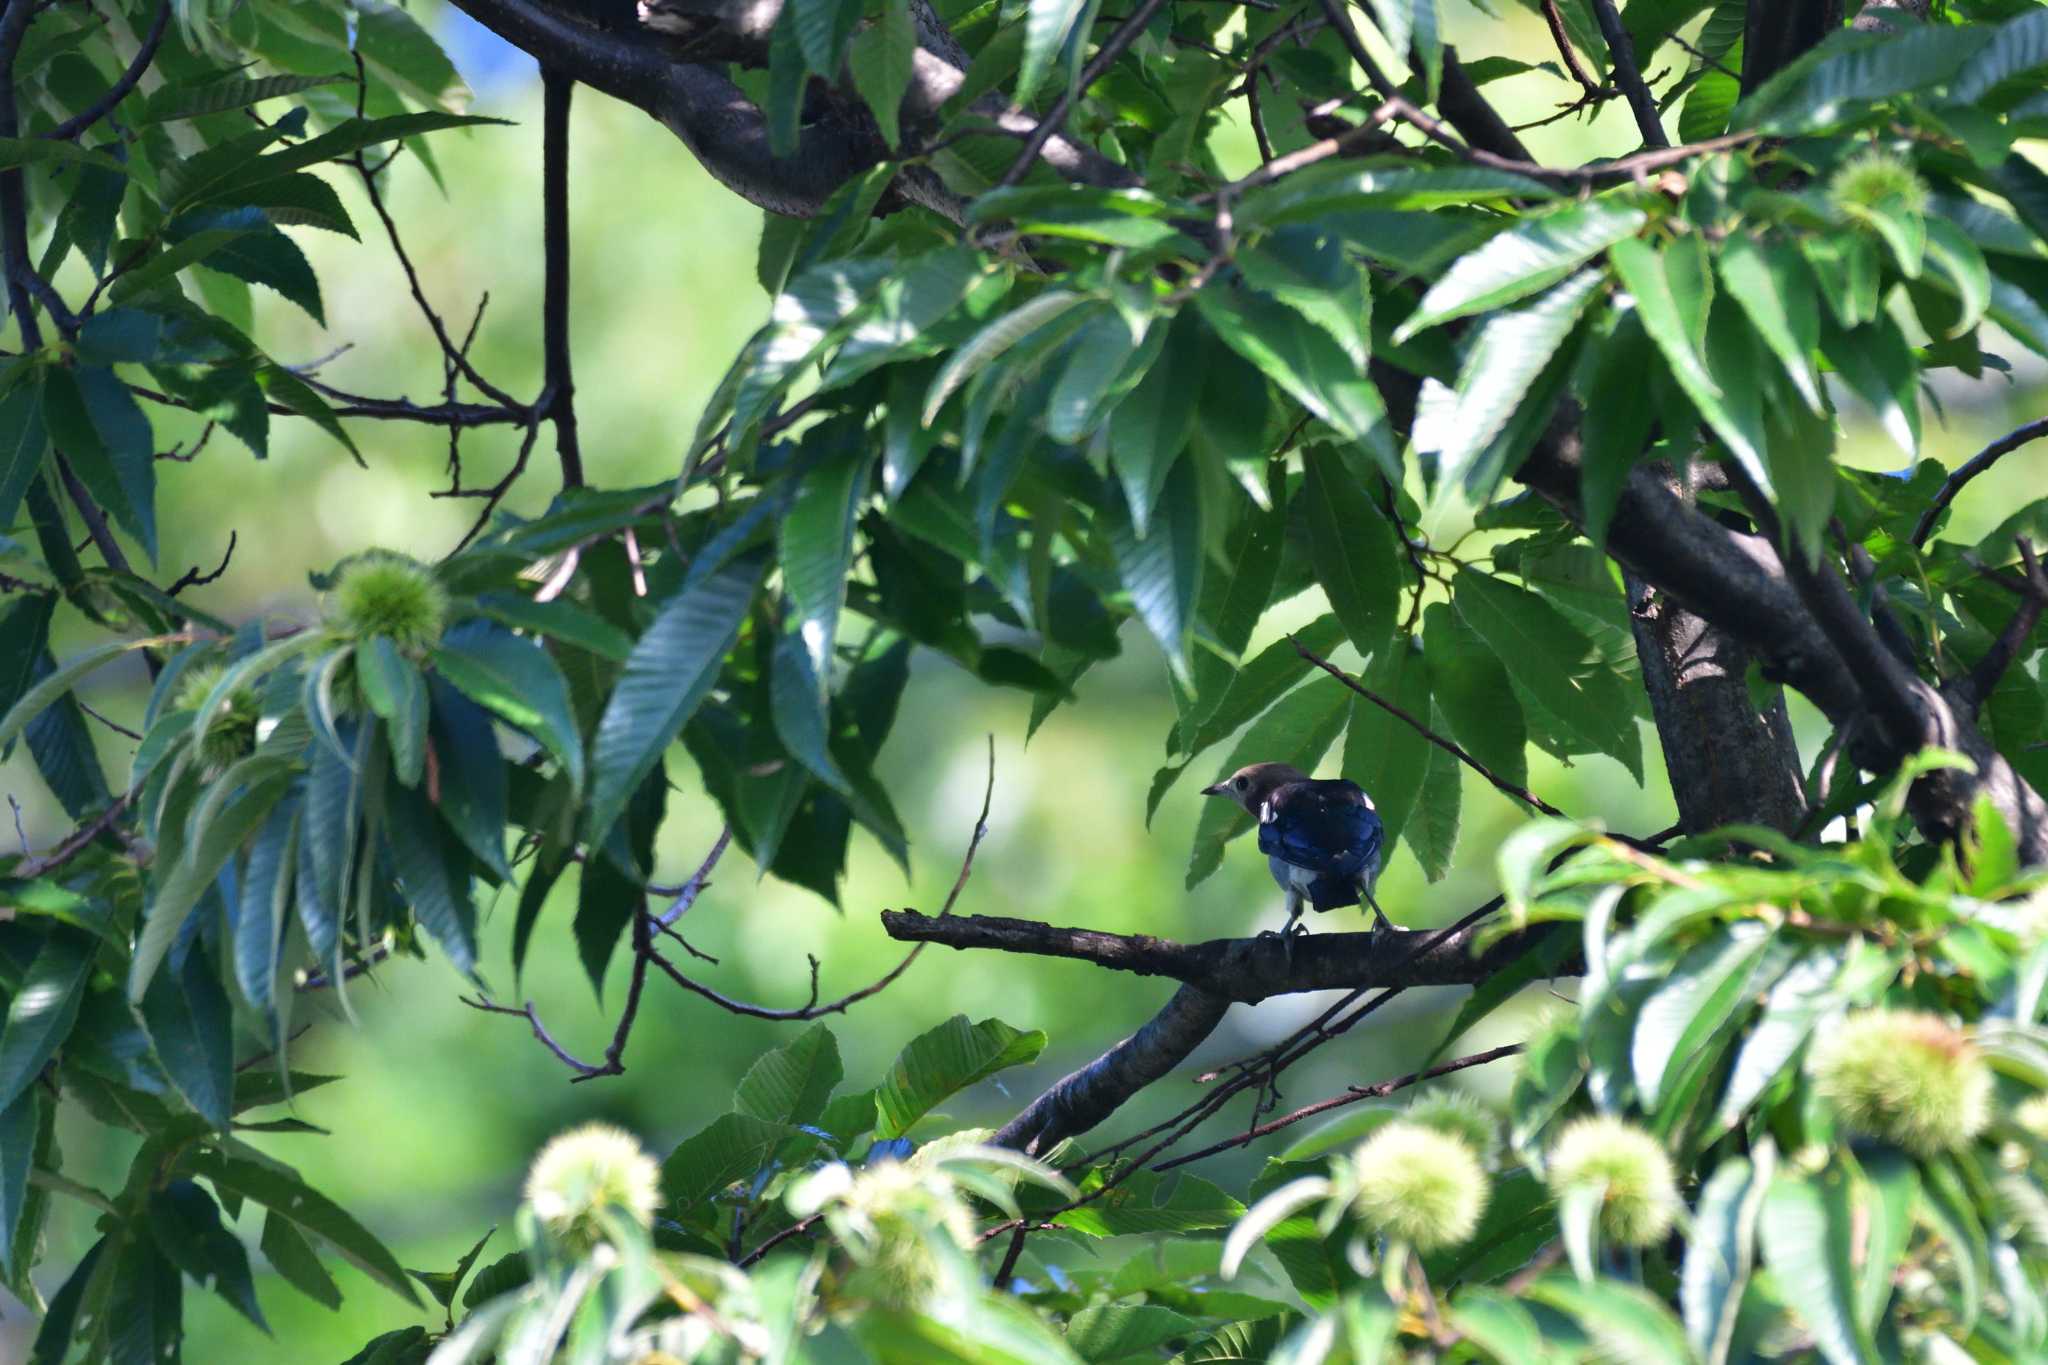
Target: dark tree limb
118,91
1086,1097
1622,50
1234,969
558,390
1728,762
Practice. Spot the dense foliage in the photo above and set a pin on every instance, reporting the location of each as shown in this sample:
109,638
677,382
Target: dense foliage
1800,1105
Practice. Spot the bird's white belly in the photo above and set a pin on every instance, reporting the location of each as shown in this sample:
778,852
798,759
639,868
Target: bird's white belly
1290,877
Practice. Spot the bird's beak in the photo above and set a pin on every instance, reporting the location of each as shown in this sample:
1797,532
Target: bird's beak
1216,789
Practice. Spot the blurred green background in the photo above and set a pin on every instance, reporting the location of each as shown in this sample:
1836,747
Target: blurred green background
441,1107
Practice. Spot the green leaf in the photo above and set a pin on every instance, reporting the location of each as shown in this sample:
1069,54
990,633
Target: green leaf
1711,101
1162,571
1500,368
1047,26
1672,297
1433,832
475,793
293,1258
1263,680
989,344
96,421
907,305
433,874
943,1061
1765,276
209,95
395,692
1337,187
1297,729
1553,661
1837,80
1307,362
1533,255
1626,1321
516,681
792,1083
1693,1003
798,707
49,688
1721,1251
444,1284
1497,1324
186,1224
881,60
1875,361
1352,549
21,1129
188,1021
1960,268
257,254
562,621
822,28
1383,754
42,1010
1471,688
23,441
309,1212
816,550
731,1147
1887,1191
1310,271
672,670
1118,1331
2017,48
1151,426
184,883
1806,1233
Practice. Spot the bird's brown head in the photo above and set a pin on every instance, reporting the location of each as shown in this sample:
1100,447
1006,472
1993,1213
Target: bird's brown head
1250,786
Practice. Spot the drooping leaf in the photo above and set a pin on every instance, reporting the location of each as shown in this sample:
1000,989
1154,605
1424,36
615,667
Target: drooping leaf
1533,255
1352,548
943,1061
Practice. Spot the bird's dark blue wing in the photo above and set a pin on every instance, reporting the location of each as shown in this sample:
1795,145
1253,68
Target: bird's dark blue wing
1324,826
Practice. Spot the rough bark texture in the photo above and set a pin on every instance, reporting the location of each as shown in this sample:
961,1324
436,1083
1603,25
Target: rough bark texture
1728,763
1242,969
1084,1098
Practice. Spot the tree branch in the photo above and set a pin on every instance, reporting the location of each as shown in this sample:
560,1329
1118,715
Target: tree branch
1234,969
1522,794
1971,691
1622,49
118,91
1091,1094
557,401
1970,469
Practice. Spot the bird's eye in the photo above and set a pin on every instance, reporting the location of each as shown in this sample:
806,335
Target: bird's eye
1239,784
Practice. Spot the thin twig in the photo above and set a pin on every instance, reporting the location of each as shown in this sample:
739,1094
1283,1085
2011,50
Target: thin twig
1522,794
558,389
118,91
1970,469
1353,1095
192,578
1621,49
1562,41
1118,42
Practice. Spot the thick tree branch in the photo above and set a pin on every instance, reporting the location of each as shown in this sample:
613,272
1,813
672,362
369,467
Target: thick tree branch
1241,969
1091,1094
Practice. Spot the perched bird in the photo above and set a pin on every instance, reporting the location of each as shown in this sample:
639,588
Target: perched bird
1321,836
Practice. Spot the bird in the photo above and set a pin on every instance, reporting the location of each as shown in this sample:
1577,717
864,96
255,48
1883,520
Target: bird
1321,836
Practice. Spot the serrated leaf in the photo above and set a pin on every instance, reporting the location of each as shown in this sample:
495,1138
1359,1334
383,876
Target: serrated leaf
186,1224
793,1083
1352,549
1805,1233
309,1212
1674,312
1163,570
1502,363
1770,283
1048,25
1307,362
516,681
943,1061
42,1010
1471,687
1533,255
986,345
881,59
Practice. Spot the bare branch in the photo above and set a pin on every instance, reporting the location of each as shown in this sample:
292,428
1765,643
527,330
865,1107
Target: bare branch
557,400
1522,794
193,578
1241,969
1353,1095
1971,691
118,91
1971,468
1118,42
1621,49
1560,40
